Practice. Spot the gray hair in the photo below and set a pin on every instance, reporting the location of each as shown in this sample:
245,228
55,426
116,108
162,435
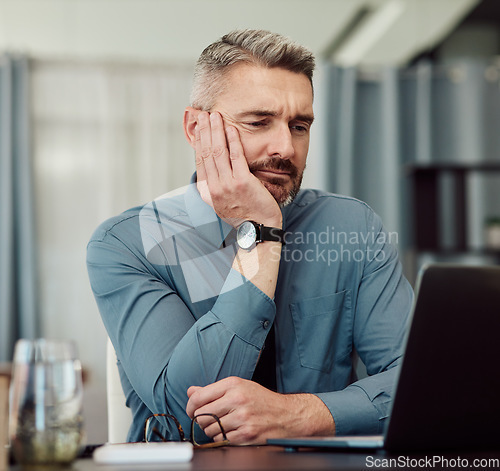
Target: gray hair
258,47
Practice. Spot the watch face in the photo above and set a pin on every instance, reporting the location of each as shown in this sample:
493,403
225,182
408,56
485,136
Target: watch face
247,235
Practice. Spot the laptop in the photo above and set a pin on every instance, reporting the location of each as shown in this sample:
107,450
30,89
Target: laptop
447,394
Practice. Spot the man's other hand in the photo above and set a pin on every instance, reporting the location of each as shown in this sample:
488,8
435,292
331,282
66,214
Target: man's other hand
250,413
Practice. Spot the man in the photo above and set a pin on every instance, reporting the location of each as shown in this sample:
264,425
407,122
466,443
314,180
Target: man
188,293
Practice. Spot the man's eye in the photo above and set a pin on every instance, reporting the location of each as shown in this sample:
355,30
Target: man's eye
300,128
257,124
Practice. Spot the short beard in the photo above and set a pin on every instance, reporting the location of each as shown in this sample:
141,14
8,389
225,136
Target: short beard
274,186
292,193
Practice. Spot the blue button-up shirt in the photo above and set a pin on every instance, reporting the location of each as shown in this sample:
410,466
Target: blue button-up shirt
179,315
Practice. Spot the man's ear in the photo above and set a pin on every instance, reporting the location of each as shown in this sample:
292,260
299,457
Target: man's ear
190,122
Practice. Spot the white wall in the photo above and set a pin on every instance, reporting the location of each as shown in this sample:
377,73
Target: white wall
160,30
165,30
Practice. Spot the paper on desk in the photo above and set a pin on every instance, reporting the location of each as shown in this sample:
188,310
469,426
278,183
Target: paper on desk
141,453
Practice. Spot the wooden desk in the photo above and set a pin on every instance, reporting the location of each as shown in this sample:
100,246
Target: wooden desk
271,458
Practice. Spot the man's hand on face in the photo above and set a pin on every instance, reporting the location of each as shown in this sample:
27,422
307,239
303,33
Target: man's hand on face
224,179
250,413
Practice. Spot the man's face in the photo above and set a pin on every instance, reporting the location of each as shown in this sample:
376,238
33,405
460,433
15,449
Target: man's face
272,110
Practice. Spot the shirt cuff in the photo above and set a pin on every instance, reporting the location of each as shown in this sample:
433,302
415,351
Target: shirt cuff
353,412
245,309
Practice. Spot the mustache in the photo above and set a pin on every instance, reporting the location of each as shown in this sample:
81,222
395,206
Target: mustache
275,163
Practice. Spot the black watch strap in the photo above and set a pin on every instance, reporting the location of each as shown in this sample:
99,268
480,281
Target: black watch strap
271,234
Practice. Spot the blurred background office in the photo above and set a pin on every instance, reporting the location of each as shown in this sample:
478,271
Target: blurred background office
91,100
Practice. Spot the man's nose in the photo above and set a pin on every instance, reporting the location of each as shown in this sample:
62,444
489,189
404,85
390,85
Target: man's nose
281,143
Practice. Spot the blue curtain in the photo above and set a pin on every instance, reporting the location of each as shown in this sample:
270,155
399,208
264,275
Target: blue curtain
380,121
18,269
364,141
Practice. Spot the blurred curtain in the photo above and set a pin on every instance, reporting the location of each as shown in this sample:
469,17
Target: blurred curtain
380,120
107,136
18,268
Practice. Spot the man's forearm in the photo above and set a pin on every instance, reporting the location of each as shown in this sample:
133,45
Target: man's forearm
311,417
260,265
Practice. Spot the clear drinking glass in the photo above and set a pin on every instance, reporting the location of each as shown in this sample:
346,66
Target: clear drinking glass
46,423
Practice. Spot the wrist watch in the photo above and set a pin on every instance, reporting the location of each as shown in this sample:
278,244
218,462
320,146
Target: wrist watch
250,233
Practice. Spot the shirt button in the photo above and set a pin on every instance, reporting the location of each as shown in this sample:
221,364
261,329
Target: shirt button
265,324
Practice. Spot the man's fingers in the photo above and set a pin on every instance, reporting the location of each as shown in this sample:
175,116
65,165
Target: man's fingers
200,400
213,429
192,389
201,173
204,420
220,153
203,396
203,147
237,155
209,424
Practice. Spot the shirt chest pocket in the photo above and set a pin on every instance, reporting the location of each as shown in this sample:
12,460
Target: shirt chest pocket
322,328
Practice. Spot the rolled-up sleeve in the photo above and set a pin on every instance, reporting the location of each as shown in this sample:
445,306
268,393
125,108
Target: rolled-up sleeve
161,346
224,342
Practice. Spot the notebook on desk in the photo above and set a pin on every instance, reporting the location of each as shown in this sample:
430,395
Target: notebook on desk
447,391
